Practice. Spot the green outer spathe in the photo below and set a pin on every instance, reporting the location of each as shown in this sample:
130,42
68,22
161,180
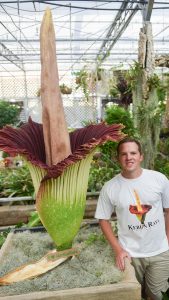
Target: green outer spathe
62,221
61,201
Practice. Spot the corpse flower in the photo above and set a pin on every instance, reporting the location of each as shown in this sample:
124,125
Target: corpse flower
60,189
141,215
140,210
59,162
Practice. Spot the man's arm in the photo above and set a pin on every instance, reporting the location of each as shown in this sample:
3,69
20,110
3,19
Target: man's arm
120,253
166,215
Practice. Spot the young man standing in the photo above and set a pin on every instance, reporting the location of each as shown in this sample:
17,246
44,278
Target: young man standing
140,198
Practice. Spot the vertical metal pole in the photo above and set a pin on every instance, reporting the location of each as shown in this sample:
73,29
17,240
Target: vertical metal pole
25,104
99,109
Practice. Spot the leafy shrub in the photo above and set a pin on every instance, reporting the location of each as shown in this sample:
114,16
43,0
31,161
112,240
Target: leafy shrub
9,113
102,169
163,146
115,114
162,160
16,182
3,236
162,165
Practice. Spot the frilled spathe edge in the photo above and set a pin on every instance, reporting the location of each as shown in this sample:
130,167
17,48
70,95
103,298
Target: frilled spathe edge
28,141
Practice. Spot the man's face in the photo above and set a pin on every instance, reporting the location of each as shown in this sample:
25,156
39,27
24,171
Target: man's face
130,158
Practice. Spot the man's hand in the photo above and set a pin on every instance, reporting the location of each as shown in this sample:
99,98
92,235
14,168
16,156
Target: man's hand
120,253
120,259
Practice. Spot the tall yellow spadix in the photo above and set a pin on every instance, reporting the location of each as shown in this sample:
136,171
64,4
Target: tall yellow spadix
139,208
56,137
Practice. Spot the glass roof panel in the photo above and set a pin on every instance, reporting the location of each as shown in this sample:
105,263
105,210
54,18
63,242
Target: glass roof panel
81,31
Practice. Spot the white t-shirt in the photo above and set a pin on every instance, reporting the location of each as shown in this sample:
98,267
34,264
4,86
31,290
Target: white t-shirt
141,234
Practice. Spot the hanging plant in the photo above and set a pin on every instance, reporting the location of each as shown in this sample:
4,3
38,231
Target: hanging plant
113,92
98,74
153,82
86,80
65,90
82,82
132,75
124,88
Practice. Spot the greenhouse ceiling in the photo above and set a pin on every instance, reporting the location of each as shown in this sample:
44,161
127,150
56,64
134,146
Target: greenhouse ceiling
88,33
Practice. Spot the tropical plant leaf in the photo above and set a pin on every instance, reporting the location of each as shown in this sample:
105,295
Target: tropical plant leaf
34,219
51,260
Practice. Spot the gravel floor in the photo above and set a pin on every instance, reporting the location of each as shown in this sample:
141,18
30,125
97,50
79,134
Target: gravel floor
93,266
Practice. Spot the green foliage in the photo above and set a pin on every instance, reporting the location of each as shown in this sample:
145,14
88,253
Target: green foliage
102,169
16,182
34,220
65,90
132,75
81,81
153,112
162,159
9,113
163,146
3,236
4,154
161,94
86,78
153,82
166,294
93,237
115,114
113,92
162,165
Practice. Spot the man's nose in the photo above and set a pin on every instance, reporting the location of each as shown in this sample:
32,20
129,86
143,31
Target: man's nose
128,156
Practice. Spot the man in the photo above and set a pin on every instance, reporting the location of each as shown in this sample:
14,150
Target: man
139,197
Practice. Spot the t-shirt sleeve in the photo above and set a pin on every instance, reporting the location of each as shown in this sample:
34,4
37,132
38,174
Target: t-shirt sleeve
104,207
165,195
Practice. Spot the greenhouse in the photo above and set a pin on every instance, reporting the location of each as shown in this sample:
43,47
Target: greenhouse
84,150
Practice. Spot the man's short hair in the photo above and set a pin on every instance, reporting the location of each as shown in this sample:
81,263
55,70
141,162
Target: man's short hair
129,140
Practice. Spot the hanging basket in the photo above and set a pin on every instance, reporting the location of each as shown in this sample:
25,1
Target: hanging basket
65,90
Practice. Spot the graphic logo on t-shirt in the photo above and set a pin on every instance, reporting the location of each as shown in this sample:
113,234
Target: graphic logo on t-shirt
140,210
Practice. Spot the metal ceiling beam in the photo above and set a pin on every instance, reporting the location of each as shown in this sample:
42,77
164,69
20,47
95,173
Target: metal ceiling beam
6,53
27,60
74,54
118,26
110,39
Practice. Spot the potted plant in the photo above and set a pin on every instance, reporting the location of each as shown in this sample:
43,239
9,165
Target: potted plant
65,90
